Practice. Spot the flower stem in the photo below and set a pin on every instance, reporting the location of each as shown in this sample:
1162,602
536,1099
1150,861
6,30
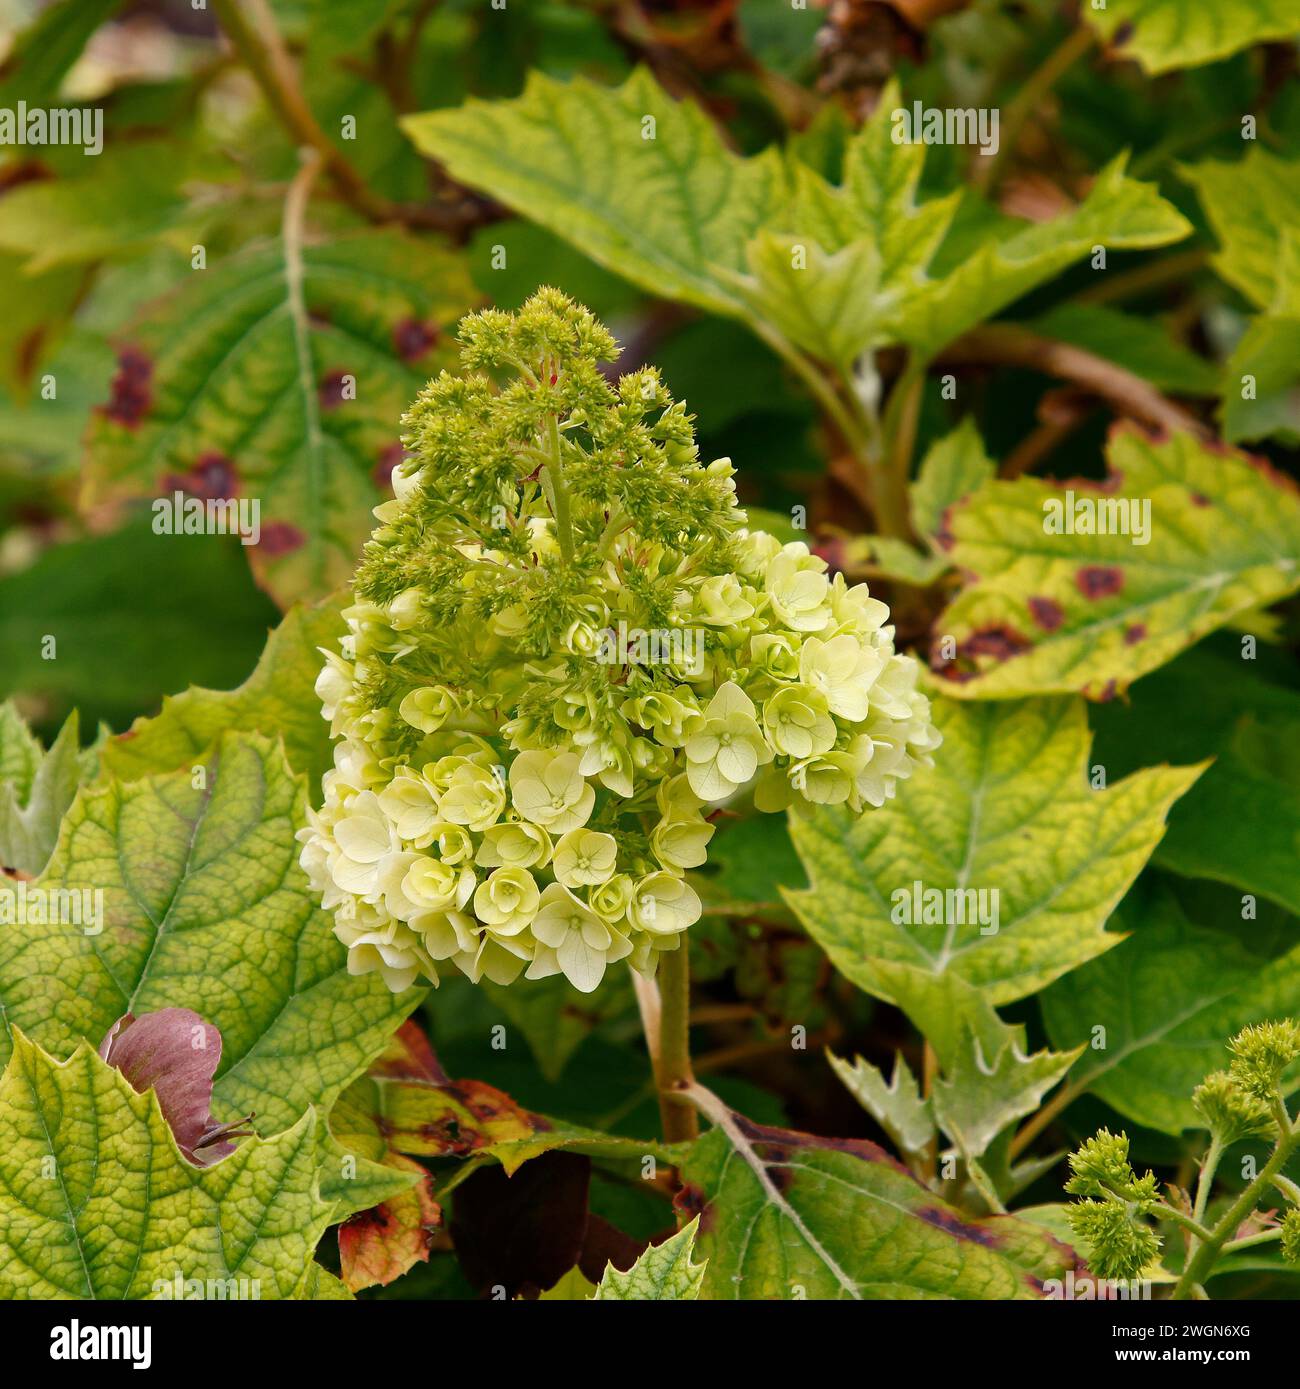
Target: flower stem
553,481
1200,1263
666,1018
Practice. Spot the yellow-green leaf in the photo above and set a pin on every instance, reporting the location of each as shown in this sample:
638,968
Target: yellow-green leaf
792,1216
1167,34
34,798
1026,860
1253,205
645,186
203,907
96,1200
664,1273
953,468
642,183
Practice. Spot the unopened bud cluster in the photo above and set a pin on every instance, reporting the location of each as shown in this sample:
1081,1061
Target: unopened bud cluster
506,797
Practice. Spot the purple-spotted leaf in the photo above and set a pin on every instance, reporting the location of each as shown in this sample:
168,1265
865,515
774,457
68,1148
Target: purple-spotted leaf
278,377
788,1215
1078,586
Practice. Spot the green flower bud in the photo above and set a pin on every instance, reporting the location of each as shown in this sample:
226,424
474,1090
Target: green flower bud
428,708
1291,1236
1230,1112
1101,1166
1116,1245
1261,1054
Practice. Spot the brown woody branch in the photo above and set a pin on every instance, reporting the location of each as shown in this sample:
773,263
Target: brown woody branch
1008,344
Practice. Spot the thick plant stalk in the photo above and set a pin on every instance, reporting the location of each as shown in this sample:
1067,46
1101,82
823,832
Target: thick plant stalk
665,1016
1202,1258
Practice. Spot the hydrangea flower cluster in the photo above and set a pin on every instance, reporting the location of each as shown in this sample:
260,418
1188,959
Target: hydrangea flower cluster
566,651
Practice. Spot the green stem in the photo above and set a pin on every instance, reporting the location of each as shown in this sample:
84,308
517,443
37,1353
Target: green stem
855,429
1206,1180
1187,1222
557,493
673,1072
1250,1241
902,415
1287,1187
1202,1261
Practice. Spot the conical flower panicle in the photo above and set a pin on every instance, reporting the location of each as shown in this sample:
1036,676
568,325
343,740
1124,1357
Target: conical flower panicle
566,647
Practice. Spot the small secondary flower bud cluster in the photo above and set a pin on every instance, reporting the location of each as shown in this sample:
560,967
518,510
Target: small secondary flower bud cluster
514,791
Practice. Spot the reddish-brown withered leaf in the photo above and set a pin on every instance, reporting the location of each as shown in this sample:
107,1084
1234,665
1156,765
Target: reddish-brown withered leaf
379,1245
174,1053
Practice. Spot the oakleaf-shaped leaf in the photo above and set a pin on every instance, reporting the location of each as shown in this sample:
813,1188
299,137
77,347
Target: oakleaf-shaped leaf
1167,34
642,183
97,1201
203,907
988,1077
277,699
788,1215
664,1273
1084,587
896,1105
279,377
1253,205
1004,262
981,1094
35,797
998,865
1156,1012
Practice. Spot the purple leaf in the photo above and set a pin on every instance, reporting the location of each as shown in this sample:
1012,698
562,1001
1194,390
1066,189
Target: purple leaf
174,1053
